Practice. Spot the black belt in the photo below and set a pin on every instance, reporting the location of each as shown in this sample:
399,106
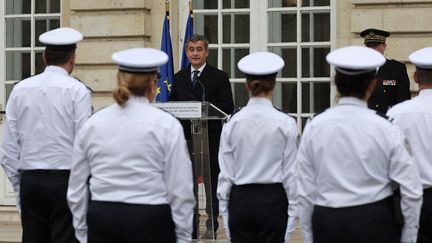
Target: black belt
386,201
256,185
39,172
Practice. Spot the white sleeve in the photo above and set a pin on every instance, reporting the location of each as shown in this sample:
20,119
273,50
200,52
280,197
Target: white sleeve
404,171
179,183
10,149
83,107
289,173
78,190
305,187
225,180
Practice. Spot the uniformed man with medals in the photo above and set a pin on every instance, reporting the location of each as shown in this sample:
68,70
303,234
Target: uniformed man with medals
393,85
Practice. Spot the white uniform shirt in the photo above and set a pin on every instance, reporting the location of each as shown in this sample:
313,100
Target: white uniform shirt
348,156
258,145
134,154
414,117
43,114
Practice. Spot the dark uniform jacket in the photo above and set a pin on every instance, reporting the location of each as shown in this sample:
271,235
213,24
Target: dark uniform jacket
217,91
393,86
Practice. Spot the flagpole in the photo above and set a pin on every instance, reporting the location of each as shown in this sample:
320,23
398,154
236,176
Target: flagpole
166,71
167,9
188,33
190,8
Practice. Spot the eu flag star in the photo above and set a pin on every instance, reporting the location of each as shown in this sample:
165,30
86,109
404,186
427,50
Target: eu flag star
168,85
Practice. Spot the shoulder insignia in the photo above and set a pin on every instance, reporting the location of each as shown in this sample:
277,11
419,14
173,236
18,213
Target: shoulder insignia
383,115
284,112
317,114
232,114
396,62
17,82
94,112
167,112
88,87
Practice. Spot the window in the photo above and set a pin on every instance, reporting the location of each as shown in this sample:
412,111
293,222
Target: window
297,30
23,21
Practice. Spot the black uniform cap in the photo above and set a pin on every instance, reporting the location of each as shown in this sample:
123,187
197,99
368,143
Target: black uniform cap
374,36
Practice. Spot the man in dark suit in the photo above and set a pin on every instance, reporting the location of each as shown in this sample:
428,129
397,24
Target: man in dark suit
189,85
393,85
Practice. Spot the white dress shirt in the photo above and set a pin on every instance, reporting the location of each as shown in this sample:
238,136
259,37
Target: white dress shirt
43,114
200,69
414,117
258,145
134,154
349,156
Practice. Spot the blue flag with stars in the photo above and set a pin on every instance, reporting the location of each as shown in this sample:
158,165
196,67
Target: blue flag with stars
188,33
167,70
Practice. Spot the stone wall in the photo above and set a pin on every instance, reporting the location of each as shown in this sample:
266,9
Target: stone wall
109,26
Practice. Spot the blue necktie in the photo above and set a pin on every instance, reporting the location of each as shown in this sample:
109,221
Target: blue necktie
195,78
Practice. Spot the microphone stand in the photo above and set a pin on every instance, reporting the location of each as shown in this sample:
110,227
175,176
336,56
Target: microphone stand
202,86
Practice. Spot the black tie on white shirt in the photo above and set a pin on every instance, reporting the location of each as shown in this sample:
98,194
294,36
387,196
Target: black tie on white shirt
195,78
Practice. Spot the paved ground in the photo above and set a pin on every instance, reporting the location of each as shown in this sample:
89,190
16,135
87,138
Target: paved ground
221,237
10,229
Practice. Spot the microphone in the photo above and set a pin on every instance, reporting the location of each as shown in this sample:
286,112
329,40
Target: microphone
198,79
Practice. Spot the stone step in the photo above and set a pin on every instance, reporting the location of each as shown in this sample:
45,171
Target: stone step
10,225
10,228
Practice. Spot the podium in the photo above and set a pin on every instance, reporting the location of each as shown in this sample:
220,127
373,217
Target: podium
199,114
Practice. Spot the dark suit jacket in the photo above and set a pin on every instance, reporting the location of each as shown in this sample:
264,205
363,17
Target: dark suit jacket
217,91
393,86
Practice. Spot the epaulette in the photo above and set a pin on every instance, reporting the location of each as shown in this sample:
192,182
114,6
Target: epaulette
88,87
91,92
284,112
17,82
167,112
396,61
94,112
383,115
232,114
317,114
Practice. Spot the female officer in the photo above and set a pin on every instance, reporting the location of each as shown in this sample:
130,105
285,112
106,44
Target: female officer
131,181
347,160
256,157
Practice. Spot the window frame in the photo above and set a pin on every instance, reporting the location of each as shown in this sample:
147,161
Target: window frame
258,11
32,49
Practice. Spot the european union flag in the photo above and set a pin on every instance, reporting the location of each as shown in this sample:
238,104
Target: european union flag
167,70
188,33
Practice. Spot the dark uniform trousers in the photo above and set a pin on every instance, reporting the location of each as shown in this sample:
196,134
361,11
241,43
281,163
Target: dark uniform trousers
258,213
425,231
45,214
115,222
371,223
